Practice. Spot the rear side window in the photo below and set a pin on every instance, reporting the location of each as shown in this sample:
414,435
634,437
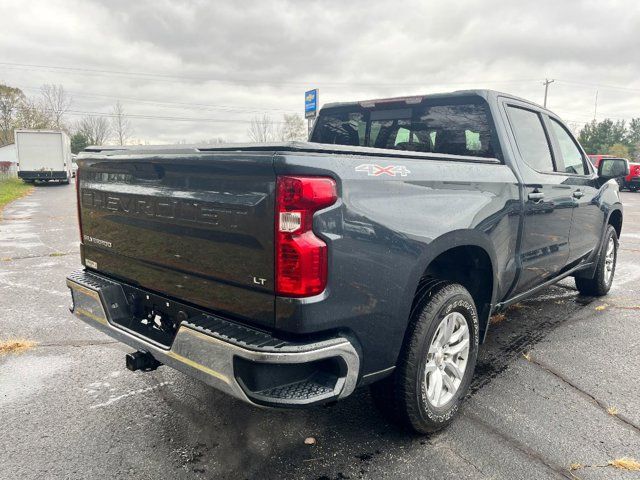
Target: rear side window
531,139
342,128
571,155
456,129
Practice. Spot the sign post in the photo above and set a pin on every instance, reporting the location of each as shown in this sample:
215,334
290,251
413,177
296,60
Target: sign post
311,101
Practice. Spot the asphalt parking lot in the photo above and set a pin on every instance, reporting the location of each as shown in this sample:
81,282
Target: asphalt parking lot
557,385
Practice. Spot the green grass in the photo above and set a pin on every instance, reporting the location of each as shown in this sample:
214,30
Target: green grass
11,189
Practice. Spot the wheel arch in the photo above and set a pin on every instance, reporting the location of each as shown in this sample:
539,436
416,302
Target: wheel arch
615,220
466,257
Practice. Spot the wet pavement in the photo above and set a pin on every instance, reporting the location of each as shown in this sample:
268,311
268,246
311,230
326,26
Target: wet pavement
556,385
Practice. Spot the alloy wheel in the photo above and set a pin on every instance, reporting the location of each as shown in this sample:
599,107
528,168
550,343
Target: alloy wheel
609,260
447,359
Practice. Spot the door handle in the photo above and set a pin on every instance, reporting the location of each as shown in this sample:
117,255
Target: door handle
578,194
536,196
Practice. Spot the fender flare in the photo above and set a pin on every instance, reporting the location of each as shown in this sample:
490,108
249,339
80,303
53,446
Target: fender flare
448,241
615,208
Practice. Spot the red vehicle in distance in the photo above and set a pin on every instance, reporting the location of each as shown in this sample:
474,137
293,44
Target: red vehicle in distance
631,181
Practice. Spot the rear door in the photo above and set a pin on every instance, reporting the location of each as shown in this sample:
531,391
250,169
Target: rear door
588,220
544,248
40,151
197,227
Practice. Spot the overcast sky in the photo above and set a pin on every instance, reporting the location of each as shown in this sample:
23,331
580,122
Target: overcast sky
203,69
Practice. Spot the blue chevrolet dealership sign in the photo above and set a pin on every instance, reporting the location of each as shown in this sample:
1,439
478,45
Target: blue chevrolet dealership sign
311,103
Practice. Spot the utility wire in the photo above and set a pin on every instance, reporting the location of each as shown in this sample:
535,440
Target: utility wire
200,106
156,117
85,70
599,85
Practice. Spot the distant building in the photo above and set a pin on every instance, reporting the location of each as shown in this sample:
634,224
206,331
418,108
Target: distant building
8,160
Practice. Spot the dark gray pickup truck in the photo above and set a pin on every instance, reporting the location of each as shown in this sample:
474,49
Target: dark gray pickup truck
289,274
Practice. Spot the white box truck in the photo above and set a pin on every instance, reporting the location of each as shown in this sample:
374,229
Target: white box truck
43,155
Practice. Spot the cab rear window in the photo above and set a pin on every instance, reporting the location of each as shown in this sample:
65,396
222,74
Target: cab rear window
454,129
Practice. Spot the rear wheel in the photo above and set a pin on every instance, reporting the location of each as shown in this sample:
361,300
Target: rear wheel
602,280
436,364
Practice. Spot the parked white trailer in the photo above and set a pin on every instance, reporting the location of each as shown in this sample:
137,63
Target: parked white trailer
43,155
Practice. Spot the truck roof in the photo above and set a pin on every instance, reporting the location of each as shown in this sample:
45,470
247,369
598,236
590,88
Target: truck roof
36,130
487,94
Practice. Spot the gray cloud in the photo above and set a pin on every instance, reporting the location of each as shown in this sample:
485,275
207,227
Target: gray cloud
247,57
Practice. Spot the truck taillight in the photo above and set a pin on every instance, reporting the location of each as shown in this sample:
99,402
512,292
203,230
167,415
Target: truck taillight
78,203
301,257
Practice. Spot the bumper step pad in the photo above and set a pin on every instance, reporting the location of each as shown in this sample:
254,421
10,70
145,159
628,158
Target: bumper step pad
302,390
241,335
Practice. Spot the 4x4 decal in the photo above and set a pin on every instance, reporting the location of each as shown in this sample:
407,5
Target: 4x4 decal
374,170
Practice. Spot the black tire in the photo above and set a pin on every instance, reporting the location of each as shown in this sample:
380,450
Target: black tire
600,283
403,396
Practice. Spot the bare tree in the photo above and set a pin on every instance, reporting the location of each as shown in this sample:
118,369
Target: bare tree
575,127
56,102
34,115
96,129
262,129
120,124
293,129
214,141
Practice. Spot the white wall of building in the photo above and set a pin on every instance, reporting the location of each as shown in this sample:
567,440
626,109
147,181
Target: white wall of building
8,154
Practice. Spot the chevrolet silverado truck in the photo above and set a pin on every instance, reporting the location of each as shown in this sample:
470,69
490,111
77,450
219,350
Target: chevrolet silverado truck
289,274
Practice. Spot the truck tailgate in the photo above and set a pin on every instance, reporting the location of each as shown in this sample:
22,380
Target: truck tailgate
198,227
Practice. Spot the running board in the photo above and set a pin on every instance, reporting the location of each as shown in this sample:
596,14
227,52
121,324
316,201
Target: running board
521,296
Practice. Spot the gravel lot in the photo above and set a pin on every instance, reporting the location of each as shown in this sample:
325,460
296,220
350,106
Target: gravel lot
69,409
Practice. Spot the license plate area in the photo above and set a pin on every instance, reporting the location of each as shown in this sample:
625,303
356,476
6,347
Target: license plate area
155,318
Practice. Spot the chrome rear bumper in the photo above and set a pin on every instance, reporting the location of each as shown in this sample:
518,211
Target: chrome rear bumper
241,365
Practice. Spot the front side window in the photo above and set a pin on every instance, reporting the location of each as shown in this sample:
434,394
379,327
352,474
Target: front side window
531,139
571,155
455,129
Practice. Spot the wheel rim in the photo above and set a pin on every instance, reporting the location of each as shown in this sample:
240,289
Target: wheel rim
609,260
447,359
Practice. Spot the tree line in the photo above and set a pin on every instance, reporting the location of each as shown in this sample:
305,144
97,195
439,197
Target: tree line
607,137
50,109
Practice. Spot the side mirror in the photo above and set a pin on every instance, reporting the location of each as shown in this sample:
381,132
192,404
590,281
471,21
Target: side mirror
613,168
